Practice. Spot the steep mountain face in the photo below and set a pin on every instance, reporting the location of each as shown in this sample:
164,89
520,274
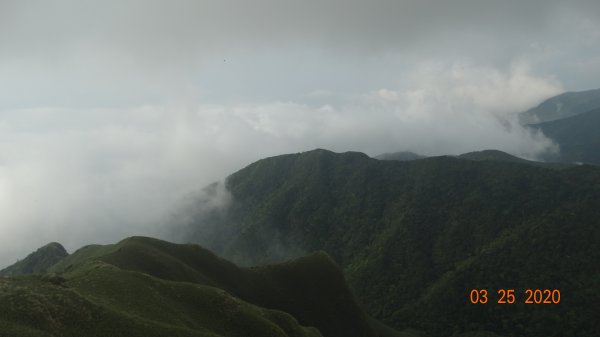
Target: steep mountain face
413,238
37,262
147,287
562,106
577,136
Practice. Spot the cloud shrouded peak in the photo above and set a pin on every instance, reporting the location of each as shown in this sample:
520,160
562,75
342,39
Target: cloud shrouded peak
113,112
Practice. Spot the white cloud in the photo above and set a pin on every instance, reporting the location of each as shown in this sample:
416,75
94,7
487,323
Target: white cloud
130,53
98,175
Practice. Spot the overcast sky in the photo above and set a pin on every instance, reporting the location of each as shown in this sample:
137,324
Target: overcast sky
112,112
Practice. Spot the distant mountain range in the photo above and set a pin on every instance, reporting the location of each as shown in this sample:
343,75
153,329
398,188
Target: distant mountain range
578,137
562,106
572,120
484,155
413,237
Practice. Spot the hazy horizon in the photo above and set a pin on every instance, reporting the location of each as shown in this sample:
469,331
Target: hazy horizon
114,113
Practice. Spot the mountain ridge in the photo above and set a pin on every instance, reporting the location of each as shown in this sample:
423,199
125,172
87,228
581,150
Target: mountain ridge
125,275
397,228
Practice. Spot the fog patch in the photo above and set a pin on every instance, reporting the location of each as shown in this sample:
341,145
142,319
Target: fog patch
203,217
80,176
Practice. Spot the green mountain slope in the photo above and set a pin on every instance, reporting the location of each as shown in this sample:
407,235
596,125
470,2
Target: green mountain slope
577,136
414,237
106,301
180,290
288,287
562,106
38,261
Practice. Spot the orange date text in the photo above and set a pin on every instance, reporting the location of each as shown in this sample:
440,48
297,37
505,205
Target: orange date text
509,296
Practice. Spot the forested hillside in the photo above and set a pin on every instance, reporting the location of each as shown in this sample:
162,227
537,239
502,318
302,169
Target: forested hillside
413,238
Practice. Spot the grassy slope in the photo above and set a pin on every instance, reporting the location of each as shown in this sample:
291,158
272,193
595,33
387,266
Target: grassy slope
403,230
102,300
312,289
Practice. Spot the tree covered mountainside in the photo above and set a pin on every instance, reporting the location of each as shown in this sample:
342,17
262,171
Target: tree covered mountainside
414,237
147,287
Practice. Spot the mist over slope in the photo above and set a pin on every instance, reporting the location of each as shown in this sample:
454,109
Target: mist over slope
577,136
94,175
110,118
117,116
413,237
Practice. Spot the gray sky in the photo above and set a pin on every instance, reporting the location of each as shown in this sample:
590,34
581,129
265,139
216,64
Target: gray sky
112,112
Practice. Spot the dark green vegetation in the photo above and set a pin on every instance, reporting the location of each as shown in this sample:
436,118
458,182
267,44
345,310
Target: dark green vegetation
414,237
495,155
148,287
37,262
563,106
577,136
400,156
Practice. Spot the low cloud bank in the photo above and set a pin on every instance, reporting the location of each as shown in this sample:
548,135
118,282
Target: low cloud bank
98,175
